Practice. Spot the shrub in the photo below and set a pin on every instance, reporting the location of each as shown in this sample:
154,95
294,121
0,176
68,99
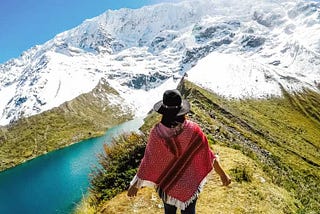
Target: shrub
242,173
118,165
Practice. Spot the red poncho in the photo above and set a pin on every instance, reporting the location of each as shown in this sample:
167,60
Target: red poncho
177,160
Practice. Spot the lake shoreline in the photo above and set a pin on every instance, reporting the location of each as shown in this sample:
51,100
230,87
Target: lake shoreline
60,148
63,175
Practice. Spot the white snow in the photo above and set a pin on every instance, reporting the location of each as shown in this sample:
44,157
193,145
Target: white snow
253,48
6,94
233,76
143,101
64,84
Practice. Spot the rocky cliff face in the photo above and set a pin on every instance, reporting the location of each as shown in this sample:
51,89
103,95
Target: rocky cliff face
137,51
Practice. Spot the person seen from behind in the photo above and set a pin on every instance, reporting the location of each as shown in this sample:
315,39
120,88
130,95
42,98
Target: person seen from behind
177,157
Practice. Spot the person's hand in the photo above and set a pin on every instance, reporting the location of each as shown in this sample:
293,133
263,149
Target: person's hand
226,180
132,191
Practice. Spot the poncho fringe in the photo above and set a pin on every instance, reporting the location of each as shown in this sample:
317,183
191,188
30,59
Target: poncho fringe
167,198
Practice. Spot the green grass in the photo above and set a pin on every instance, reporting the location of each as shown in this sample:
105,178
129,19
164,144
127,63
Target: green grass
84,117
274,138
279,138
250,192
281,134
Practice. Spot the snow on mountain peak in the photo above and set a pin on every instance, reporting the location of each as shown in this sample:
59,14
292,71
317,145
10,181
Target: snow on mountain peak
243,48
234,76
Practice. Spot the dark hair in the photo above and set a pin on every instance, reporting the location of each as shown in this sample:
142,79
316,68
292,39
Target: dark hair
172,121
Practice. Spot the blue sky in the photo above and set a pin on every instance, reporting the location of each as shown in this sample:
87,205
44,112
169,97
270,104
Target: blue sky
25,23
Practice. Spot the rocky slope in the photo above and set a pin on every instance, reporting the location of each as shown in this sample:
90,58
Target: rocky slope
136,51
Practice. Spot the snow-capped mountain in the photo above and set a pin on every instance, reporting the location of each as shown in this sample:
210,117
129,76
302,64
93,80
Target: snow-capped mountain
235,48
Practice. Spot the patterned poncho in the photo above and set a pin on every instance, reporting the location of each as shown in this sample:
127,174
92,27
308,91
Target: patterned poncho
177,160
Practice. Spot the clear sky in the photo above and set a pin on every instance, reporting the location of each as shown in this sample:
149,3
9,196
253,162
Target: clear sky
25,23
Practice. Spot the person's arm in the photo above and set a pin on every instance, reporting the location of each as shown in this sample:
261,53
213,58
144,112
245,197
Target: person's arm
226,180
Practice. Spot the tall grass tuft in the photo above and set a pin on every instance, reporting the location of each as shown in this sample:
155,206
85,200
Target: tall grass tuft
118,165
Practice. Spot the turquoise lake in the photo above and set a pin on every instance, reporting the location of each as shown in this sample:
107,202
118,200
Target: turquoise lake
57,181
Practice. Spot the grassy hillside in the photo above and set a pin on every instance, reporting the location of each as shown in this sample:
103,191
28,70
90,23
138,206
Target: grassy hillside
86,116
281,134
270,147
251,192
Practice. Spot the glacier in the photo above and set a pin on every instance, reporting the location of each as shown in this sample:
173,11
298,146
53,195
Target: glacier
237,49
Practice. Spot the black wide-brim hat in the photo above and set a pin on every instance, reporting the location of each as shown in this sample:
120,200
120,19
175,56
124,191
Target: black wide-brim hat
172,104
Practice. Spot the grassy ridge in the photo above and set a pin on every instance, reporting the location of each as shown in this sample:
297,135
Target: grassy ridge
256,195
282,137
86,116
273,155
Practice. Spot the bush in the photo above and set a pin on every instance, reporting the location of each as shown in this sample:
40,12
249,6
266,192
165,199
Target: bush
118,165
242,173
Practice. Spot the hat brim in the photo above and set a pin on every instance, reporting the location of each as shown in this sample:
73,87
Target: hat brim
185,108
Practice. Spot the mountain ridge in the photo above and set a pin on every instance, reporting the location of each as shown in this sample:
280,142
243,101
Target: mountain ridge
136,51
88,115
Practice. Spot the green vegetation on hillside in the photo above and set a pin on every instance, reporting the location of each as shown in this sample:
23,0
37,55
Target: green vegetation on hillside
119,164
256,195
279,135
84,117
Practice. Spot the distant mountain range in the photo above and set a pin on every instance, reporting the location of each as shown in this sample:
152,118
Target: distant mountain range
234,48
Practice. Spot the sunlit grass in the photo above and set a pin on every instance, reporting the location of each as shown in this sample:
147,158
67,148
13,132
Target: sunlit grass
84,207
259,195
281,134
273,155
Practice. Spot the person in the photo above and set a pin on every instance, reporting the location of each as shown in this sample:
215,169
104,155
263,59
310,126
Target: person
177,157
